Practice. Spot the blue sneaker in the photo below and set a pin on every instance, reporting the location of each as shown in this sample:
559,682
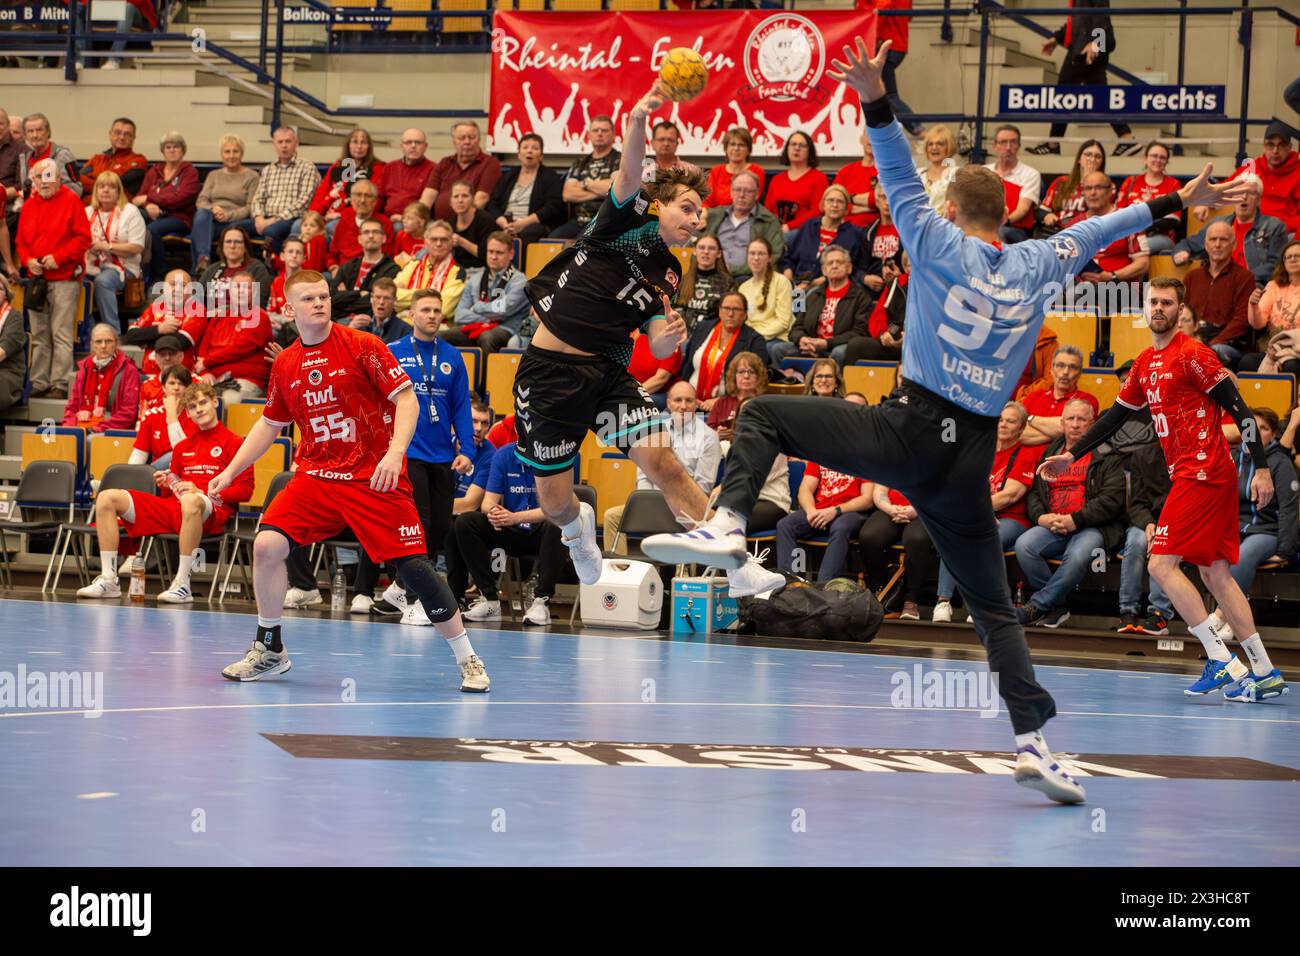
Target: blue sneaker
1213,677
1252,690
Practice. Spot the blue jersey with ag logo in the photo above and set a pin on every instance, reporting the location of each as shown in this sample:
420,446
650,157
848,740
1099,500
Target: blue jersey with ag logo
973,309
610,282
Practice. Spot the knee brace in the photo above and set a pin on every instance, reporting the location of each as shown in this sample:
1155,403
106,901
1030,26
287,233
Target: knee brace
417,574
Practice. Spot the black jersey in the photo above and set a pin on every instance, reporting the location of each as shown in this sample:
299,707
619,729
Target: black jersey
610,282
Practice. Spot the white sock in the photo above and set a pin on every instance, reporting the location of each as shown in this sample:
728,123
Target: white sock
1210,640
573,529
183,569
268,621
461,647
1034,739
728,520
1260,665
108,563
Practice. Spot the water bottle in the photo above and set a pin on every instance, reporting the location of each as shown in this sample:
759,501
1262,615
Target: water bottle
137,580
339,592
1020,594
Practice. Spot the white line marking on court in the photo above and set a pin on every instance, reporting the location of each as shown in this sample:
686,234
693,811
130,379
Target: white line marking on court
49,653
707,662
616,703
646,660
167,652
517,658
828,665
768,664
406,655
106,652
100,795
1134,677
588,658
345,653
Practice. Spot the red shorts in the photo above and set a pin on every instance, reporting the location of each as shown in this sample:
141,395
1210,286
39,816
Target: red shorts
154,515
1199,523
312,509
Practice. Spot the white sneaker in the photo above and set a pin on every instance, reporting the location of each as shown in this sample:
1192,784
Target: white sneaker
1221,627
361,604
176,594
539,613
104,586
584,551
753,580
258,663
414,615
707,544
1047,776
943,612
483,610
473,676
111,65
297,597
394,596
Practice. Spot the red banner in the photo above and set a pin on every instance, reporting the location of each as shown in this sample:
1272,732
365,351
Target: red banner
551,72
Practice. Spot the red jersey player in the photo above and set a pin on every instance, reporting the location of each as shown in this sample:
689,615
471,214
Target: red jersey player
189,506
1185,385
165,425
356,412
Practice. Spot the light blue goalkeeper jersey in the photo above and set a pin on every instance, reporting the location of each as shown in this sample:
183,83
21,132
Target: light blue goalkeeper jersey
974,310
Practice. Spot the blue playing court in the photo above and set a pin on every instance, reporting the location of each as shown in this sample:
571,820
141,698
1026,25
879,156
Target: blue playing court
595,750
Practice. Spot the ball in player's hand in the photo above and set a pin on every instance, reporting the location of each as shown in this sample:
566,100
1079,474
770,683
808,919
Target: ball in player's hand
682,74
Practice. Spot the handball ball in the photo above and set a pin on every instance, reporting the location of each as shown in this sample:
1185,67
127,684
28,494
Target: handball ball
683,73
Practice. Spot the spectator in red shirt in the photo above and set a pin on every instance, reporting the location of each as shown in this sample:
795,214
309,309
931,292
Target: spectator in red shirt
178,312
831,504
106,393
355,164
860,180
1152,183
1063,205
1278,170
346,244
120,158
1045,405
1010,479
1219,296
164,425
167,353
804,250
410,239
167,198
884,339
402,181
53,239
737,144
795,196
879,258
1124,260
745,378
1022,183
469,163
234,348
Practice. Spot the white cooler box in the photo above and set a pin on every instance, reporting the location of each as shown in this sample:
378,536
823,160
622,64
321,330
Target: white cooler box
628,594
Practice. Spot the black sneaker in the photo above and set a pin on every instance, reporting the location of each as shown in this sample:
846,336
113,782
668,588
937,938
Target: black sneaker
1054,617
1046,149
1128,623
1031,613
1157,624
1126,146
382,608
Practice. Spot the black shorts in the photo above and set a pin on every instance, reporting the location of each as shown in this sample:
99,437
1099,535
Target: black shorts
560,397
